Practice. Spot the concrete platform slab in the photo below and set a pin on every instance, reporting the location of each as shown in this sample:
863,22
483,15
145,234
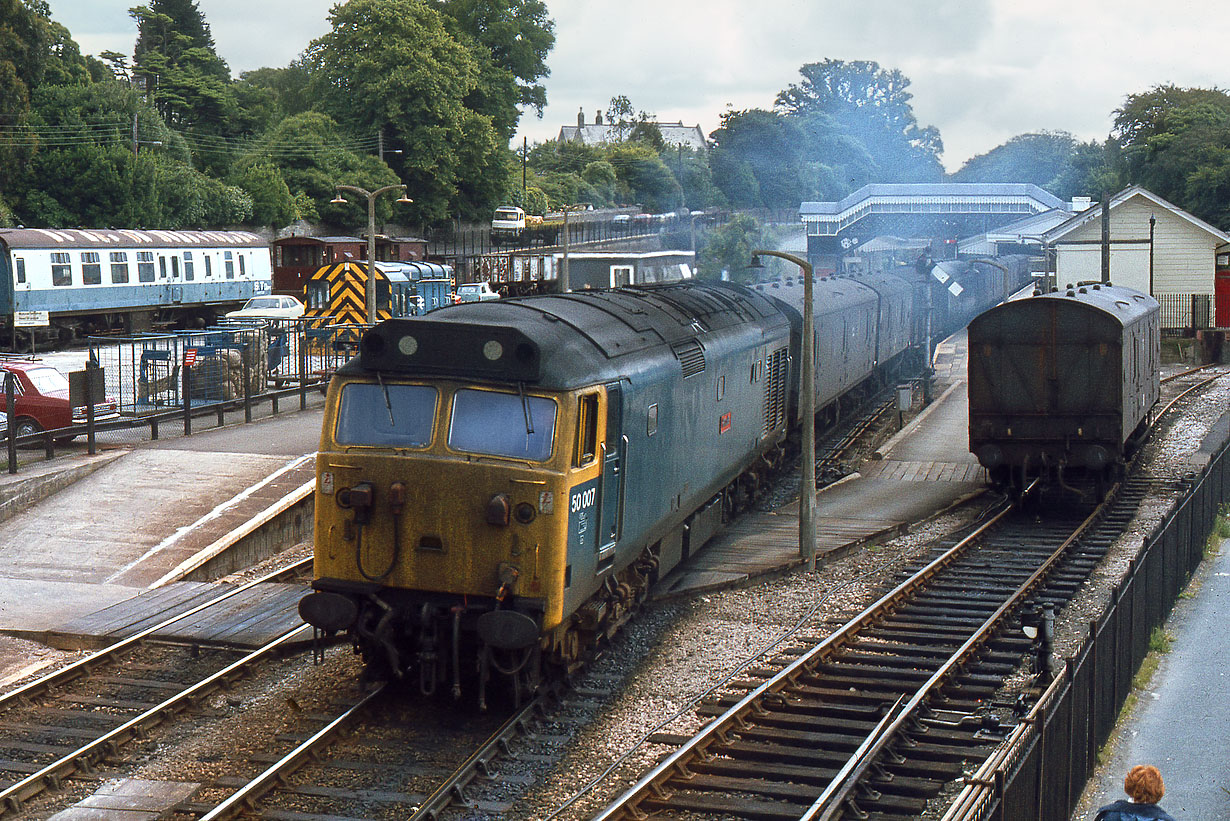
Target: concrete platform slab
135,798
167,504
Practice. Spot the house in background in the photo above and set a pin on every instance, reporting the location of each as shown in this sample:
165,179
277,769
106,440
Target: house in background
674,134
1155,247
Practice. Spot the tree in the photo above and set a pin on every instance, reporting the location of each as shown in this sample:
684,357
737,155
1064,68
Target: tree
728,250
413,87
272,202
1040,158
871,105
312,154
510,40
185,78
757,159
1176,142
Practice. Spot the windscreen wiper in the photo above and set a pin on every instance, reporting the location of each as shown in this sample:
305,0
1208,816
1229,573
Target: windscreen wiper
525,409
388,403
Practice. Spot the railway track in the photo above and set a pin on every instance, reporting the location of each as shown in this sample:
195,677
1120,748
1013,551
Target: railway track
63,724
900,701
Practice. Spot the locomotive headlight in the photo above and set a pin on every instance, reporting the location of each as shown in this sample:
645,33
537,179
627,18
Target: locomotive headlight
407,345
493,350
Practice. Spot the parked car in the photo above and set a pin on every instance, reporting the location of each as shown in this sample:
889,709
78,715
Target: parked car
41,399
474,292
271,306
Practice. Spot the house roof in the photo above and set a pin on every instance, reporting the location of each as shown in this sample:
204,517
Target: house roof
1094,213
689,136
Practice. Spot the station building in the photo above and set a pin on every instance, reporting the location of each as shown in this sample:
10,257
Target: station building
1155,247
942,212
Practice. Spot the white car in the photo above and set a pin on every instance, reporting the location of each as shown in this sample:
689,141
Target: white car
270,306
474,292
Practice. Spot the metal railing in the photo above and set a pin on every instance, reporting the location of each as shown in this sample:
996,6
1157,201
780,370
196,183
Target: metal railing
165,382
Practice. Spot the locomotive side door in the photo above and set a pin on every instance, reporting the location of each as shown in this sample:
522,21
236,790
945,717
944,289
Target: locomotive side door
614,451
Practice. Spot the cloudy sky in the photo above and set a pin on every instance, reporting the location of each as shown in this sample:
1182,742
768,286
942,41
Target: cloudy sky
982,71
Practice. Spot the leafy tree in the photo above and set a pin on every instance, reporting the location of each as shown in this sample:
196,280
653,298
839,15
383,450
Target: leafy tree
510,40
1040,158
286,87
642,177
313,155
413,87
187,81
871,105
1152,112
25,38
619,115
757,159
272,202
728,250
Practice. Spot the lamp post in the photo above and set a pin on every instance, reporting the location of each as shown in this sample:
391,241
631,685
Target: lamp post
807,398
370,290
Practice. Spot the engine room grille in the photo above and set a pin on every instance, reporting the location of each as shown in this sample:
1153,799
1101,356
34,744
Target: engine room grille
775,390
691,356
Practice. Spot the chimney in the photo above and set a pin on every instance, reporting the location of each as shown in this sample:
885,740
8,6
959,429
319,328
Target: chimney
598,117
580,118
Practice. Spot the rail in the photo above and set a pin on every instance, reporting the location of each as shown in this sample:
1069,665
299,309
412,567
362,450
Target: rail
82,759
84,665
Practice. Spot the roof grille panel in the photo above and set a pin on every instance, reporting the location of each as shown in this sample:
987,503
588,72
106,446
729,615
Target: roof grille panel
691,357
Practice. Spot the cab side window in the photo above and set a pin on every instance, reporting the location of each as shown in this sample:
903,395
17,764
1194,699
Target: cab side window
586,446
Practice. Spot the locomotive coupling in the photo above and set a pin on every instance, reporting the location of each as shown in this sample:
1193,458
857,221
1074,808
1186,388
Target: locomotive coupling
361,499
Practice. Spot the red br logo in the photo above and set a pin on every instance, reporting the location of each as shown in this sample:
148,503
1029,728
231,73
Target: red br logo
724,423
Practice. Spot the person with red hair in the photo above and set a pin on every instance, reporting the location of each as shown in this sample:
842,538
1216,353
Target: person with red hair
1144,786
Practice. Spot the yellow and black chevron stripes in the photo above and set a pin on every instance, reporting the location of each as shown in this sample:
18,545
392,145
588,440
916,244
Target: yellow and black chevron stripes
347,295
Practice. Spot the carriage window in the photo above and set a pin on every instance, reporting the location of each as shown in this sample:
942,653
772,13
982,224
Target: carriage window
162,267
91,269
21,270
587,431
721,388
145,266
502,424
61,271
399,416
241,272
229,262
651,427
188,273
119,266
209,266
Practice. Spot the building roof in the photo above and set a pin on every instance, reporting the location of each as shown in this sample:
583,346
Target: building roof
689,136
1094,214
1027,231
960,198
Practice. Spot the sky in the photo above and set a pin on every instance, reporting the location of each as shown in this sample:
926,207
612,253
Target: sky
981,71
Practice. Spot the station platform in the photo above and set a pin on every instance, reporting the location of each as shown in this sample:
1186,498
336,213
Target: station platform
87,535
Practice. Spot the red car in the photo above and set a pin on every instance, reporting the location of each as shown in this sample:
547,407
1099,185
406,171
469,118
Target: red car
42,399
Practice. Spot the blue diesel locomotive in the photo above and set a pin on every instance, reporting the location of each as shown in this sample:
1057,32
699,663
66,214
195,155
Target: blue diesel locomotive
499,483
